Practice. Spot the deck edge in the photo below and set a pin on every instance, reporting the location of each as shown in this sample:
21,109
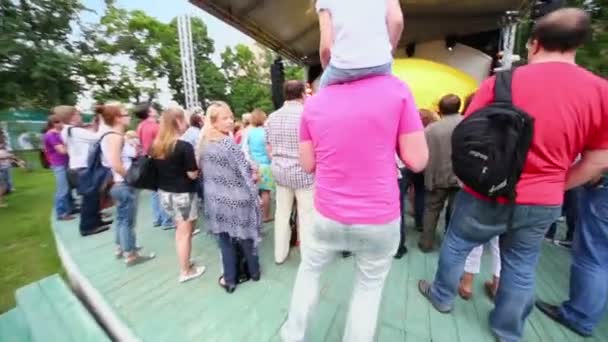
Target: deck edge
92,298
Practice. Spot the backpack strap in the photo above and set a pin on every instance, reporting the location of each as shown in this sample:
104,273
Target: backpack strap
502,87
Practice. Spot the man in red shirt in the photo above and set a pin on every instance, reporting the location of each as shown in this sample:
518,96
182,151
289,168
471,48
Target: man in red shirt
147,131
570,108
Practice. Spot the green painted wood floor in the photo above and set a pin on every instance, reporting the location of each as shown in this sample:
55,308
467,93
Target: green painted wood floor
156,307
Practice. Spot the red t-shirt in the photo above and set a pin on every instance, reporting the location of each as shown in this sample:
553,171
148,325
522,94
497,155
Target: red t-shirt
570,108
147,131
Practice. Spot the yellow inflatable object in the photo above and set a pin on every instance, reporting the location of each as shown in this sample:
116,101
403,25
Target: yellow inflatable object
429,81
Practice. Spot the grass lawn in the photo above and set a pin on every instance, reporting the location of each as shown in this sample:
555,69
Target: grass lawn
27,247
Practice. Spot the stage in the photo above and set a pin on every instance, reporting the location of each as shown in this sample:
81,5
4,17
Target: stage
146,303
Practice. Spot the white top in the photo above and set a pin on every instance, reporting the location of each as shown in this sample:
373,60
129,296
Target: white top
79,144
192,135
128,154
361,38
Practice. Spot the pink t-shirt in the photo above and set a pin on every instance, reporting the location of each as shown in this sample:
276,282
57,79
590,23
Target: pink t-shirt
354,128
147,131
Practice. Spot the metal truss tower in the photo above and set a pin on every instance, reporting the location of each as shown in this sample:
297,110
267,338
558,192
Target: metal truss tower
187,58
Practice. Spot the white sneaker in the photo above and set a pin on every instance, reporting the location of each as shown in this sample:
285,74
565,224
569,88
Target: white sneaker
196,231
198,271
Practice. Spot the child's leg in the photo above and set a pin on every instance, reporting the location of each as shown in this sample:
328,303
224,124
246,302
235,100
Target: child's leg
333,75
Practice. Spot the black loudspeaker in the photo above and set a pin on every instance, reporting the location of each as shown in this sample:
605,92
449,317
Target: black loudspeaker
277,78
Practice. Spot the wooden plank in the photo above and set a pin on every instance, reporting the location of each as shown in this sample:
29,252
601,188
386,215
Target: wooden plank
417,308
392,310
390,334
443,326
336,331
40,315
322,320
13,327
150,301
81,325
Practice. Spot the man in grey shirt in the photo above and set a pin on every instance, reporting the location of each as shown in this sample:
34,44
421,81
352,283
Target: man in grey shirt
439,180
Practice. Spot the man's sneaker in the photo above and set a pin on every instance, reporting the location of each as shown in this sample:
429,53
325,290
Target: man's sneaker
552,311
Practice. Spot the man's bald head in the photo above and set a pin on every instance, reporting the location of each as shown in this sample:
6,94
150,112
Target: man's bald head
562,30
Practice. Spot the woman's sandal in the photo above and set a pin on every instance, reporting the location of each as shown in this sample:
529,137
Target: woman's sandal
221,282
140,259
119,253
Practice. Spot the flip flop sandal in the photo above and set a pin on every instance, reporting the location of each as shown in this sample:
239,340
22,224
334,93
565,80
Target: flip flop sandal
222,284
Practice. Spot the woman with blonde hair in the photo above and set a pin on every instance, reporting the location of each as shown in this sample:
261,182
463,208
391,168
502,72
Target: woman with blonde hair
117,155
175,163
256,143
231,205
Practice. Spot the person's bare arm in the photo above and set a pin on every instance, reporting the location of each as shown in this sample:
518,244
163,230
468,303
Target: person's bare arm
413,151
192,174
394,22
589,168
115,143
307,156
326,39
60,148
269,151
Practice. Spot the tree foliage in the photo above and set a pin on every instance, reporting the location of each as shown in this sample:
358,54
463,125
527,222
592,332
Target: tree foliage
36,54
594,55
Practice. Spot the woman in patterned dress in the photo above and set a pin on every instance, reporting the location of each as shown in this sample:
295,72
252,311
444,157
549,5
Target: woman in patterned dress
231,205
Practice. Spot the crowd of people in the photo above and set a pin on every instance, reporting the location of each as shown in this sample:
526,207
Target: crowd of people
342,162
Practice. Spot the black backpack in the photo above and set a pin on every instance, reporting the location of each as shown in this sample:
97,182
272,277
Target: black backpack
490,146
96,174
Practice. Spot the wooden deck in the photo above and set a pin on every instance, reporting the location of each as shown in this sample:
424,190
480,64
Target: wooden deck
147,303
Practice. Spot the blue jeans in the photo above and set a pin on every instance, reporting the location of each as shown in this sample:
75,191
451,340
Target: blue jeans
333,75
475,222
230,262
570,210
63,198
126,212
373,247
589,271
161,218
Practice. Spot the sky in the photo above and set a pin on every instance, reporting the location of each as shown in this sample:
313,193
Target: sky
165,10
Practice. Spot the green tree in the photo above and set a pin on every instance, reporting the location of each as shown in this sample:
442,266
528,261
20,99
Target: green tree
593,54
211,81
248,80
153,48
37,60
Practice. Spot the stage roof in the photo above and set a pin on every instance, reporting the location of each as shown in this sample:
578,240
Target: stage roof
291,28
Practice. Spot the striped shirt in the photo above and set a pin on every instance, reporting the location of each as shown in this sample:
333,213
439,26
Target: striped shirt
283,137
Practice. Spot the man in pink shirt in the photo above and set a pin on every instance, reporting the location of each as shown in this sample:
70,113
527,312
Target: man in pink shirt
147,131
348,137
